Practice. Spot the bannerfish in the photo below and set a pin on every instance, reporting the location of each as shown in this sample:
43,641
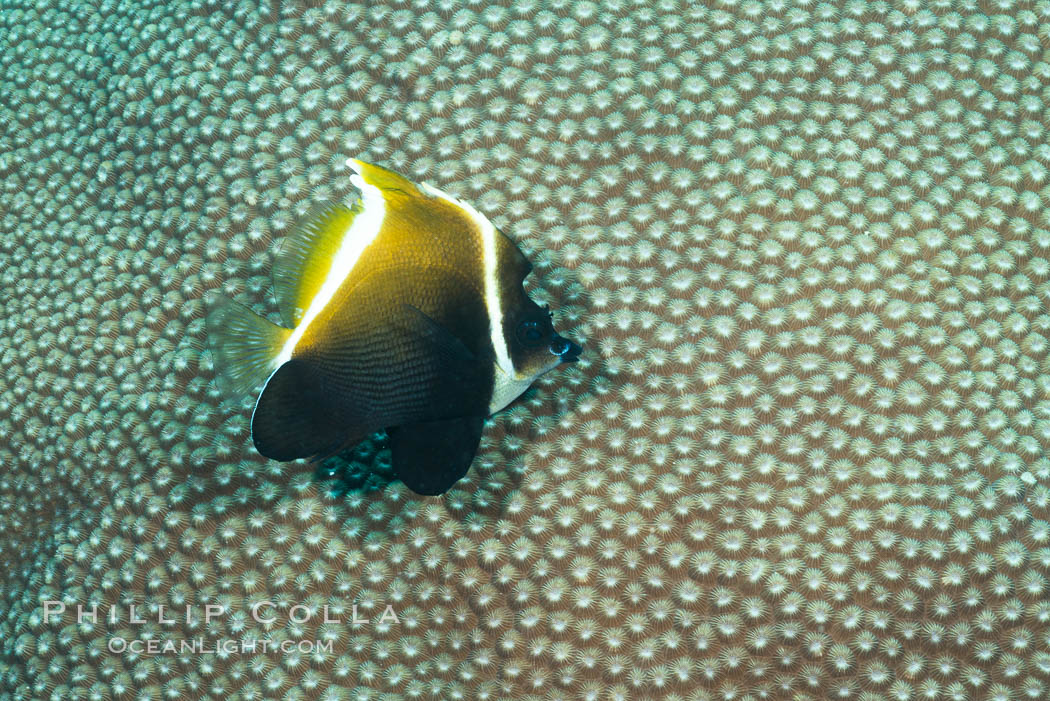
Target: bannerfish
405,311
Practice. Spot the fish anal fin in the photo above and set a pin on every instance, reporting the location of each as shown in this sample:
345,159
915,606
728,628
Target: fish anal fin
293,418
305,257
430,457
245,346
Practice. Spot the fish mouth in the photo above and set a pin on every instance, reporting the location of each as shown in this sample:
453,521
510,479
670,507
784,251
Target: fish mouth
565,349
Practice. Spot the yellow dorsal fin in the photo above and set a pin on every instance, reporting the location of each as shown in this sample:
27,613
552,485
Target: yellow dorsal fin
306,257
385,180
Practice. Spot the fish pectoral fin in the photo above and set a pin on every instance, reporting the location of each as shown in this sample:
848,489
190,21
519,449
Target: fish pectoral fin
451,376
441,338
294,419
429,457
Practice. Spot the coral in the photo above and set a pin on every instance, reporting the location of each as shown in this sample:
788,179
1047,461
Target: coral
804,455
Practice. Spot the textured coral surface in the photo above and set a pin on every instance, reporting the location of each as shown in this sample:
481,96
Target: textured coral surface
805,245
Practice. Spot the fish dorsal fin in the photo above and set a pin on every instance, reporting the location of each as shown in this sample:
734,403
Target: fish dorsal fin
305,258
386,180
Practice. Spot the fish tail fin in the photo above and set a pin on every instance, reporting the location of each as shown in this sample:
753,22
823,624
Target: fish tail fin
245,346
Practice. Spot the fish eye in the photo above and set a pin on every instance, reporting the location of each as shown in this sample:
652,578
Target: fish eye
530,333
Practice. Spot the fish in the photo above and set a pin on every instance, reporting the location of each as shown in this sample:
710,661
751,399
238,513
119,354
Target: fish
404,311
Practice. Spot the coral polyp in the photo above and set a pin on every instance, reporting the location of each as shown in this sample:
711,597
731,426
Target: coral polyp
805,459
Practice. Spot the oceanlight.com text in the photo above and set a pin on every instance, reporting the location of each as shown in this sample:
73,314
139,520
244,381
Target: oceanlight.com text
225,647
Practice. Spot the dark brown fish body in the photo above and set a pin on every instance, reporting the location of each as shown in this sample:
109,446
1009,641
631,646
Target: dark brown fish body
407,313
